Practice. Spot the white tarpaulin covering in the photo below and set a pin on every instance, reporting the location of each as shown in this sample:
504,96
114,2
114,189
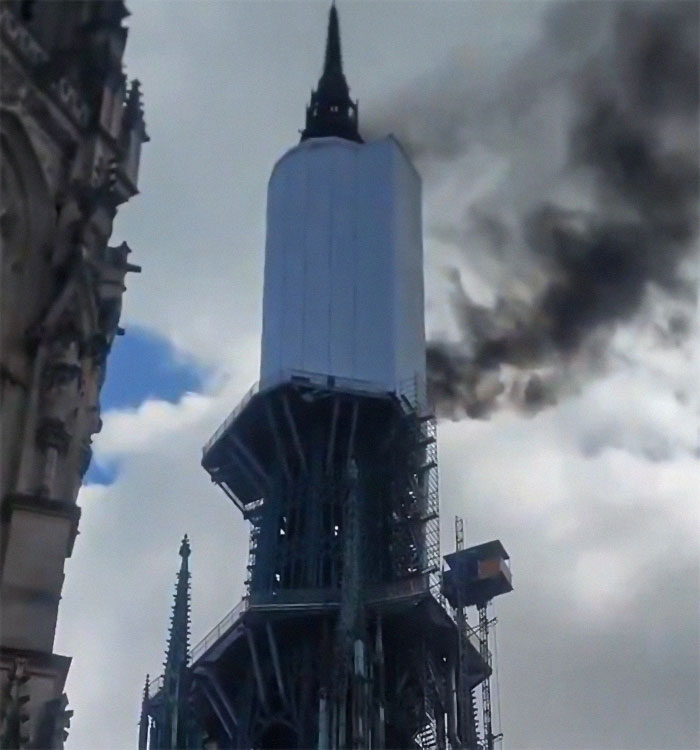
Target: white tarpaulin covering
344,266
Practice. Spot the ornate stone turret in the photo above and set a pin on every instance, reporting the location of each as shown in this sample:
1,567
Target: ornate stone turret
71,145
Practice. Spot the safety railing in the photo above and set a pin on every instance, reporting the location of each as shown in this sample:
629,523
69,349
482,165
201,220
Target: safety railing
332,382
399,589
252,391
350,385
219,629
308,598
409,388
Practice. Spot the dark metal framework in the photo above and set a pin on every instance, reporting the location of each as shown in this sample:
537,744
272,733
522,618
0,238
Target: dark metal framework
475,576
468,711
343,639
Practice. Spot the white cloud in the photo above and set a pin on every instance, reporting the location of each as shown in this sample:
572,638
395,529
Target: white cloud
119,582
594,641
605,564
131,432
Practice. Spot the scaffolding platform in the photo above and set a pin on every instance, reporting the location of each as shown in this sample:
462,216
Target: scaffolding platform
477,574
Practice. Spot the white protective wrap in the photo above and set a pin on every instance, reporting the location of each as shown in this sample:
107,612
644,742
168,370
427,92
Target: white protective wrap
343,292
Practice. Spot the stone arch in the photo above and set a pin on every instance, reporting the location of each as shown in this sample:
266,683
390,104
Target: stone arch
28,193
26,277
27,226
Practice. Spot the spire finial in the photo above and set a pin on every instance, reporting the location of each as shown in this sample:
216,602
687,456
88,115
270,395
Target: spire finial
185,548
143,721
331,112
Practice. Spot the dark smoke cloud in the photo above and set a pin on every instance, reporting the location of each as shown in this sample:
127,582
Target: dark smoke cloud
630,73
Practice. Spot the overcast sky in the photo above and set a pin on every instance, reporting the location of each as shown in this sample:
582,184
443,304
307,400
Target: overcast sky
594,496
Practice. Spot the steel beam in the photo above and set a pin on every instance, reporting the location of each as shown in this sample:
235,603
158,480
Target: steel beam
236,459
353,428
279,447
276,663
262,695
331,439
251,460
214,703
295,433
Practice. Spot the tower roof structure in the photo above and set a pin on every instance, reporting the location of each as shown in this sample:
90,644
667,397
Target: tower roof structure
331,112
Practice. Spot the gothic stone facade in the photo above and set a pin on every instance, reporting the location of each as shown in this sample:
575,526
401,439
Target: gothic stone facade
72,129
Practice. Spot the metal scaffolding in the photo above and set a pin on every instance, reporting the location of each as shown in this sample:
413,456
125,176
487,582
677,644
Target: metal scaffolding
350,635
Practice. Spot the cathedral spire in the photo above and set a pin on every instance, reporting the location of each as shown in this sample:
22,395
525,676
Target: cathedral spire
178,643
177,656
331,112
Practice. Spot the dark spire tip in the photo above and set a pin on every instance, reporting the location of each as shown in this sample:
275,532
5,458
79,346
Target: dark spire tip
185,547
334,59
331,111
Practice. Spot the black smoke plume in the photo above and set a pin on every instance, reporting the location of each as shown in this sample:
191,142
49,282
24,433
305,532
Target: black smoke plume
629,75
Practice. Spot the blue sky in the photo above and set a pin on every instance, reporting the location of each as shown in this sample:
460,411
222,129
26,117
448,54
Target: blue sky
143,365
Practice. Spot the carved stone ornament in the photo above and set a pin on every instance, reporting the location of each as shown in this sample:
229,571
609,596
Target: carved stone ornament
98,348
15,708
52,433
85,456
23,41
60,391
14,219
34,56
54,724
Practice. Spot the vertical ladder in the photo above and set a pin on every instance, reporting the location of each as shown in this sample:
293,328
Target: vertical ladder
427,737
489,737
252,549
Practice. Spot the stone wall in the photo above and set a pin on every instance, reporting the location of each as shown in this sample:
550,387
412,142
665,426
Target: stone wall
71,130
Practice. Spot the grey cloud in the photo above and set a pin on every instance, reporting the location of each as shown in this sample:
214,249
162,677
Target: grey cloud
628,76
602,654
633,681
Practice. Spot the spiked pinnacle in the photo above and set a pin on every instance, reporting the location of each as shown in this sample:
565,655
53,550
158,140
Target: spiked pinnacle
178,644
177,656
331,112
144,721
